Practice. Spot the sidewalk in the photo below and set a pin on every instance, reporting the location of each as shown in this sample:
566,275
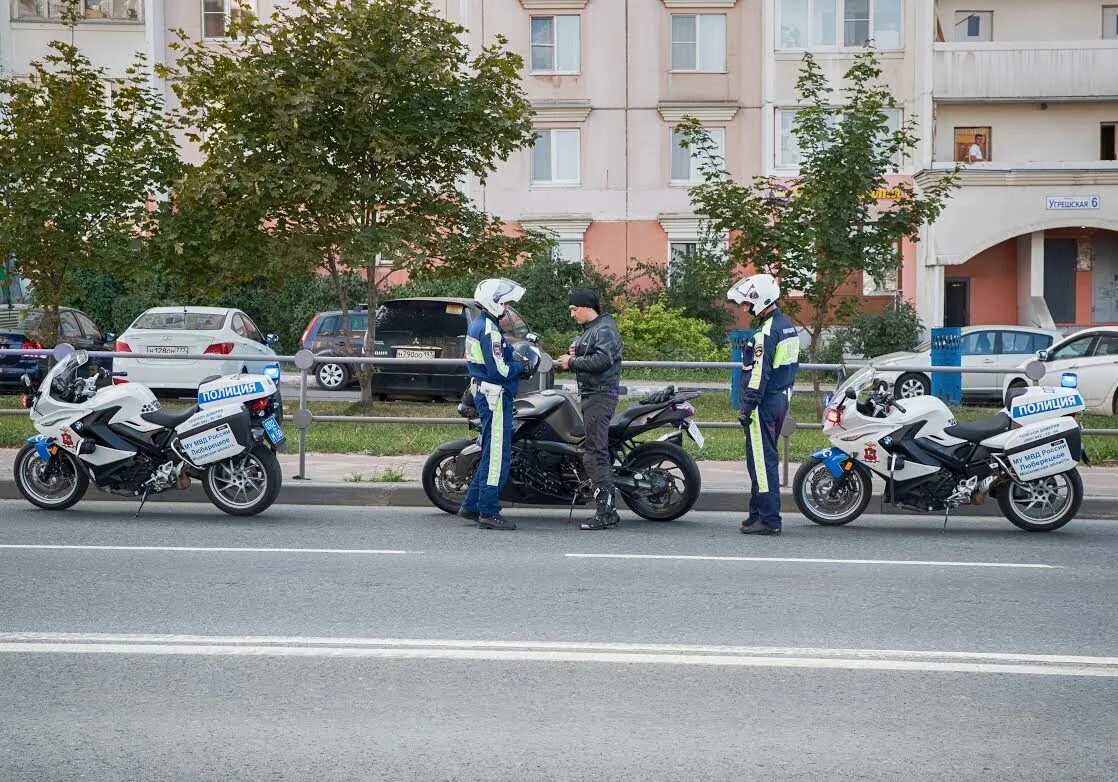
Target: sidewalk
725,485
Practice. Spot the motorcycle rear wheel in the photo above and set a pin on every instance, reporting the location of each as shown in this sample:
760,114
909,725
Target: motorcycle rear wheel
1042,505
683,477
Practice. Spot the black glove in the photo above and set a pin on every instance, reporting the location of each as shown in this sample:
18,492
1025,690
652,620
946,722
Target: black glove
745,418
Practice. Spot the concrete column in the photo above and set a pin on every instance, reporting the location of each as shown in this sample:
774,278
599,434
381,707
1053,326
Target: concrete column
1032,310
930,288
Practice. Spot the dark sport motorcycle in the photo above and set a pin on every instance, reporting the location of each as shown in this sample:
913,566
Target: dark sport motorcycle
658,479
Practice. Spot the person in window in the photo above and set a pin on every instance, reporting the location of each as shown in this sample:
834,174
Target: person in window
975,153
495,377
596,359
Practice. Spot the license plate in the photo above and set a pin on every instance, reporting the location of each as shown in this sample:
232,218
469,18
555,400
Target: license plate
169,350
406,353
696,435
273,430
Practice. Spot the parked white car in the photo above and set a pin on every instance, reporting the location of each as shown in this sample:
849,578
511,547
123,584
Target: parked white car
192,330
993,347
1092,355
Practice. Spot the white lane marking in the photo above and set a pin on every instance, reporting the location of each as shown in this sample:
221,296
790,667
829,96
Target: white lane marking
203,549
924,563
560,652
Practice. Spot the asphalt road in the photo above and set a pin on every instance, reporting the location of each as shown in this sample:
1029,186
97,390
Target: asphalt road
380,643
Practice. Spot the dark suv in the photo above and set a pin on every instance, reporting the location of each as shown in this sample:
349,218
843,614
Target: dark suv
405,328
20,327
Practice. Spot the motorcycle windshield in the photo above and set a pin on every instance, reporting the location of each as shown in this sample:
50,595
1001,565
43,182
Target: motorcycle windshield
860,380
64,368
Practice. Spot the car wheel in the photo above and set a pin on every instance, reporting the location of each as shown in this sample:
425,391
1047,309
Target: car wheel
911,384
332,377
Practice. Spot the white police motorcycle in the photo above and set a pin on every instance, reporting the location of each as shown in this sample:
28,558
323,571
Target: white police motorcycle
1025,456
118,437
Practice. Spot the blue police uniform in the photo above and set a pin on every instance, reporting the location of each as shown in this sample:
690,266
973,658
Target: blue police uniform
496,373
766,386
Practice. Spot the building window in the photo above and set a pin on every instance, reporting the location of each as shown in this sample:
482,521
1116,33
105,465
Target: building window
889,284
1110,22
1106,141
556,44
699,42
679,254
788,153
813,24
104,10
569,250
972,26
217,15
687,164
555,157
972,145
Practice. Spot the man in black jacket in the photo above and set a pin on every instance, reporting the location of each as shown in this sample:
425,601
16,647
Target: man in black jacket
596,359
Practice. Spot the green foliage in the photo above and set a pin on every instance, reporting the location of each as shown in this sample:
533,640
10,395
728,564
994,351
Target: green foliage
697,284
896,328
76,174
338,131
658,333
827,224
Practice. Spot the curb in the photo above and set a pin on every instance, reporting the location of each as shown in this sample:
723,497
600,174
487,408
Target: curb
410,494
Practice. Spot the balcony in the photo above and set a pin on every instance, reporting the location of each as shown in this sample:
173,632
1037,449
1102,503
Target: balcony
1017,70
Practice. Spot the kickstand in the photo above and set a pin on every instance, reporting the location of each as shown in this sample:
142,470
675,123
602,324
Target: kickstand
946,513
143,499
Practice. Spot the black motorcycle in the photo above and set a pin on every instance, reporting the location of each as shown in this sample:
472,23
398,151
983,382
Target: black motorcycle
657,479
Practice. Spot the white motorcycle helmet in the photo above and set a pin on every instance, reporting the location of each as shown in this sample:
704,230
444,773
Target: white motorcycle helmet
493,294
758,291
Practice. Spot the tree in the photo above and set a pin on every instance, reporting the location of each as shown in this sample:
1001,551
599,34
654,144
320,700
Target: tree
336,135
76,174
827,224
697,283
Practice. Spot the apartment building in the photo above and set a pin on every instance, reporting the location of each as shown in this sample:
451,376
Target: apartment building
1025,92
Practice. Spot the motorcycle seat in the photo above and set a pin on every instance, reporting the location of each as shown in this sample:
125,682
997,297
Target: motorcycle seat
977,431
169,419
621,421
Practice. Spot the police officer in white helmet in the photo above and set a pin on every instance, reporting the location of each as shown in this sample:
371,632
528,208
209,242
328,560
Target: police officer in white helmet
495,375
769,372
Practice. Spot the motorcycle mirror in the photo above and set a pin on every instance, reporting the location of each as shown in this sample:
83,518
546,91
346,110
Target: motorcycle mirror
851,393
533,338
25,381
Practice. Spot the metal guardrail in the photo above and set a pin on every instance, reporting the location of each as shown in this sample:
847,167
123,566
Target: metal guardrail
304,361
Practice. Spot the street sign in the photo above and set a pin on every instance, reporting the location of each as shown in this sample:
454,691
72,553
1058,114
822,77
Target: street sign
1073,202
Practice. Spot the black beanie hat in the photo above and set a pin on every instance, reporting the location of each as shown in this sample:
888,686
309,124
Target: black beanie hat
585,297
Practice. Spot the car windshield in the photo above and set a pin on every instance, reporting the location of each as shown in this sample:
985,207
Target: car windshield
180,321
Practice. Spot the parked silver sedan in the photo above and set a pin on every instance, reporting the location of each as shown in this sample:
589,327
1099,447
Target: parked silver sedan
986,347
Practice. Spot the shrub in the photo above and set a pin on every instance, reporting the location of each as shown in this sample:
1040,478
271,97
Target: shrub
897,328
659,333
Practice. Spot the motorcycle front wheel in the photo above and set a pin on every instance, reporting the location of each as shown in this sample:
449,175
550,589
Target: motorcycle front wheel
54,485
1042,505
677,475
824,500
440,483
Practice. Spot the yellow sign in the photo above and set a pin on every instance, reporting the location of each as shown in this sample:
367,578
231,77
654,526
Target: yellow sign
891,194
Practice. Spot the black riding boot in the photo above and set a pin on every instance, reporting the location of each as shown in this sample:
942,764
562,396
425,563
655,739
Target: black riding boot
606,515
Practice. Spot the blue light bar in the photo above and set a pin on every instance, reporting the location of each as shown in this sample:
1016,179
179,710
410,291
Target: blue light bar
272,371
1069,380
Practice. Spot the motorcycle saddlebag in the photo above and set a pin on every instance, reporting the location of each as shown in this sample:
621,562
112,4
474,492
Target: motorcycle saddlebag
215,434
1045,449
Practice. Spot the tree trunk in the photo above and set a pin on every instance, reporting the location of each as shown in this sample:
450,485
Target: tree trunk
816,332
366,374
342,289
